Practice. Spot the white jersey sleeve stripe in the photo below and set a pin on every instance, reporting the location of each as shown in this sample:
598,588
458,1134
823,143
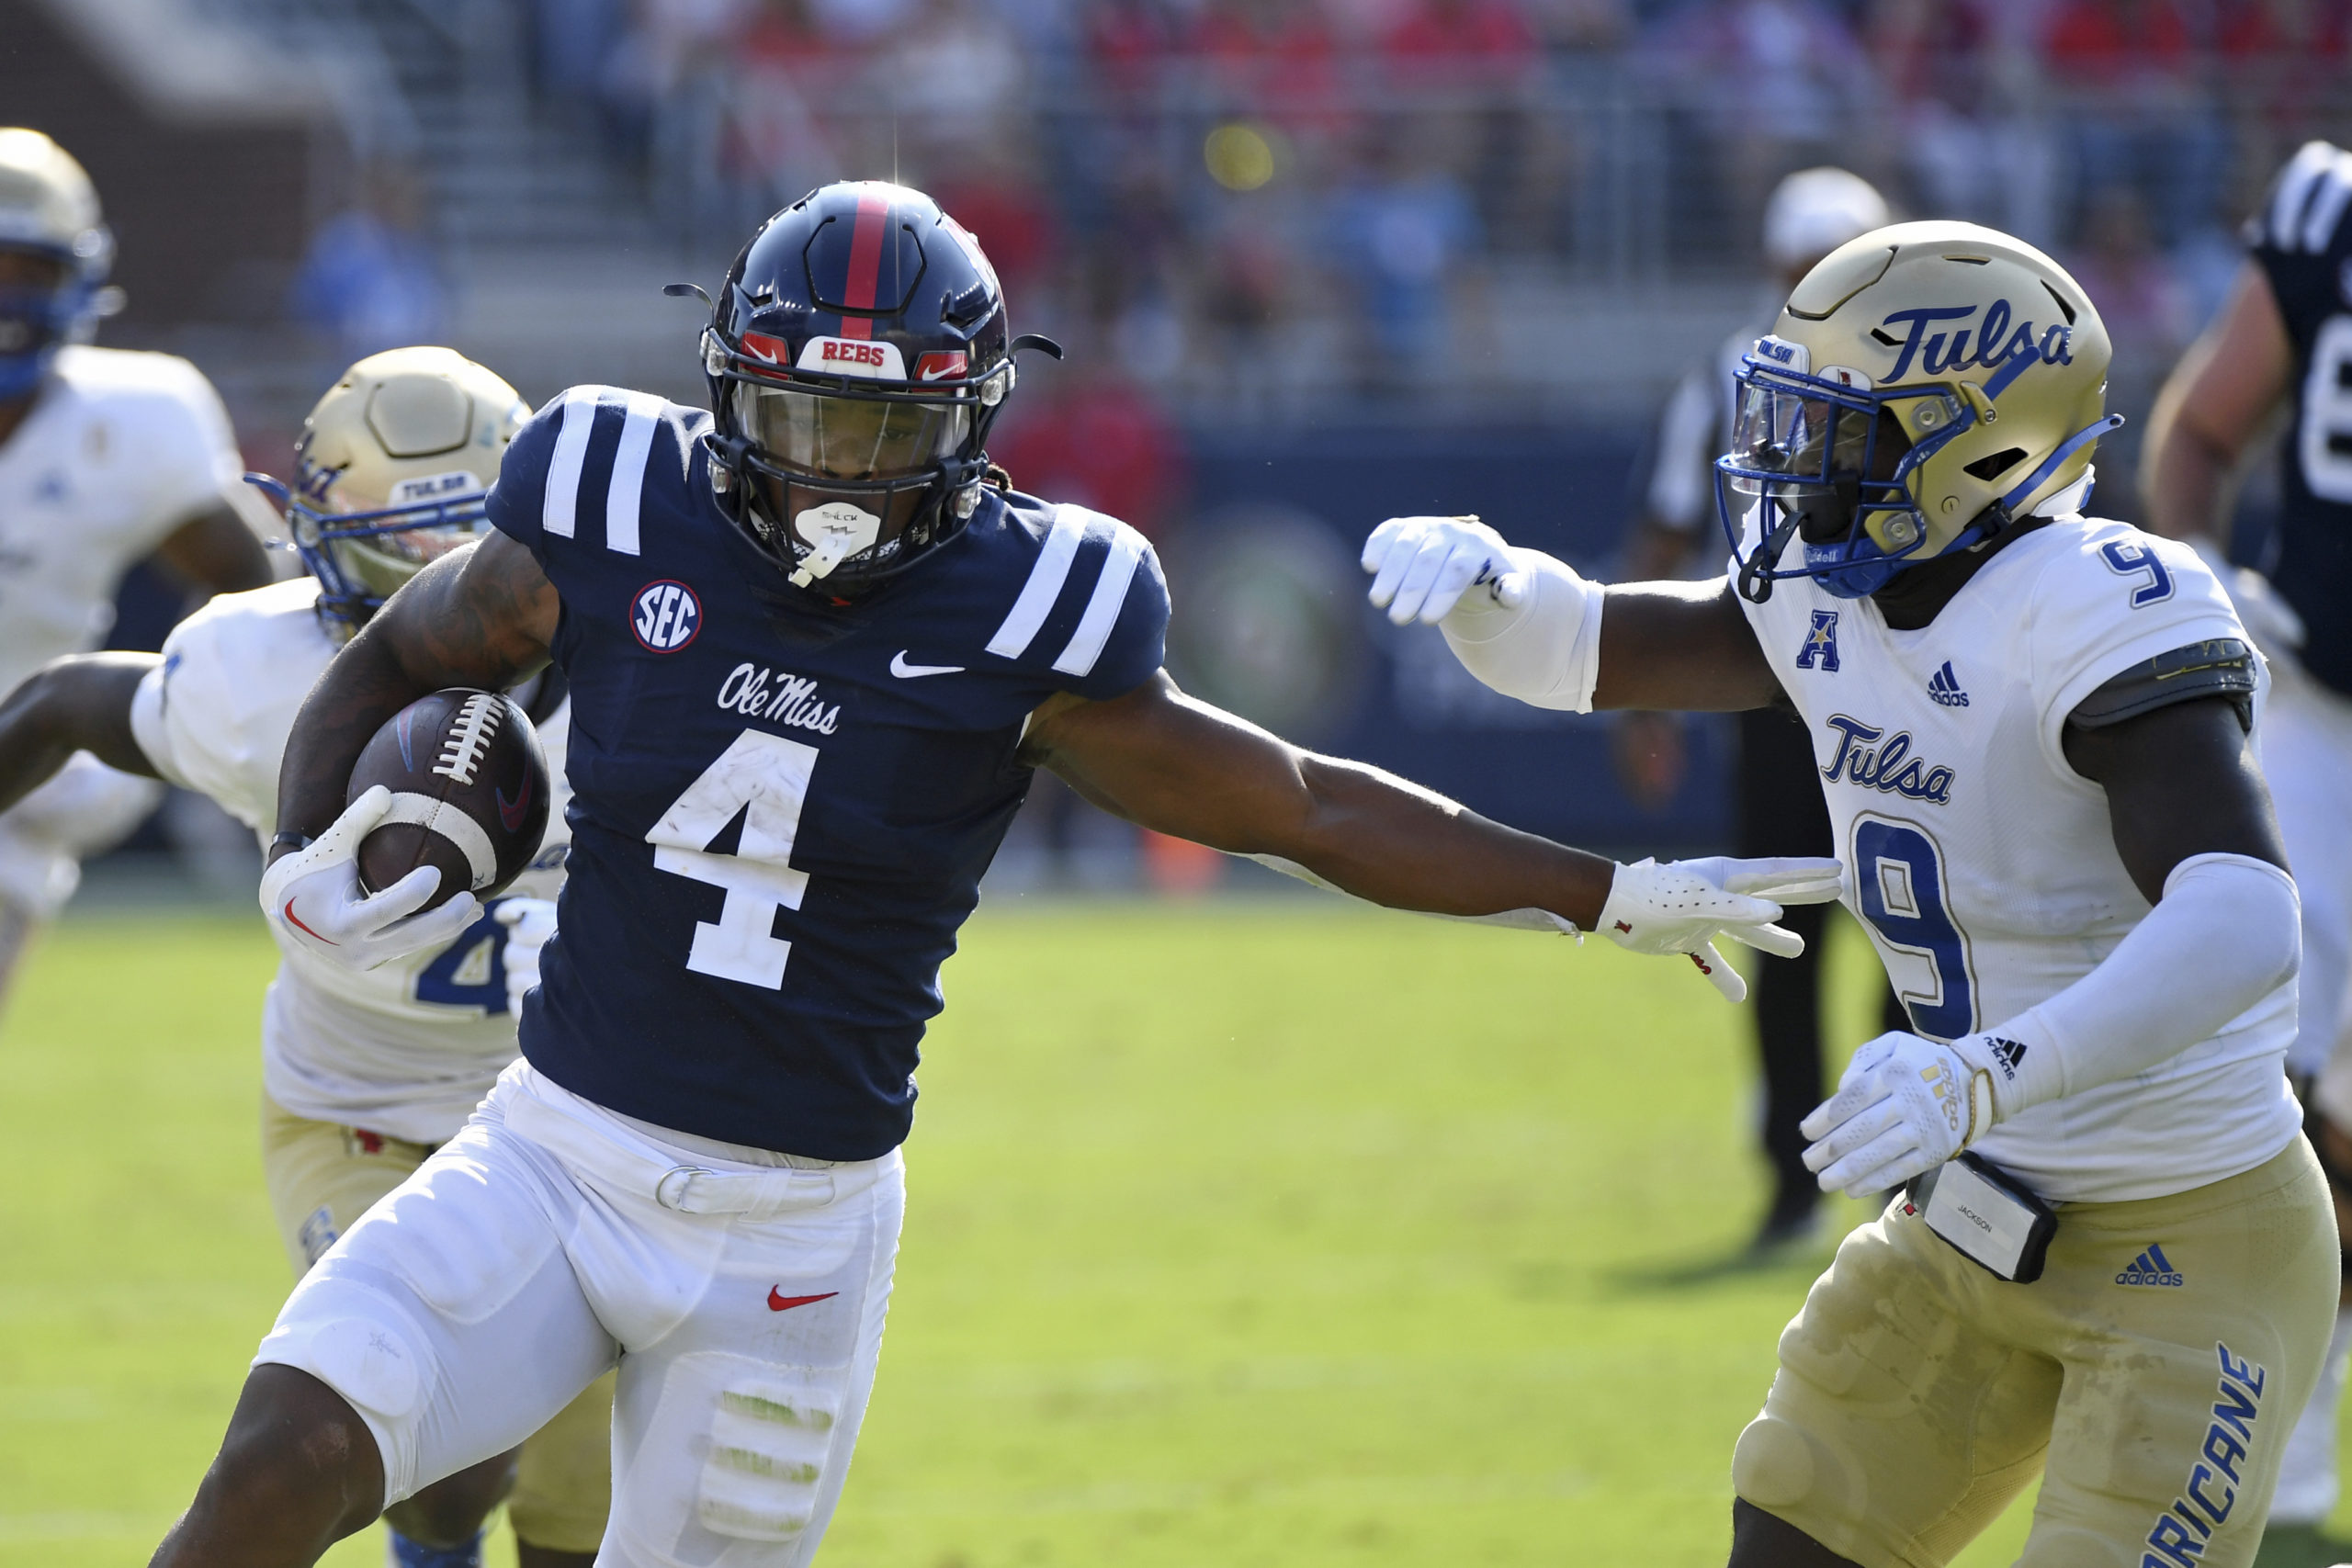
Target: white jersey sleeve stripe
628,472
564,463
1103,608
2335,190
1044,585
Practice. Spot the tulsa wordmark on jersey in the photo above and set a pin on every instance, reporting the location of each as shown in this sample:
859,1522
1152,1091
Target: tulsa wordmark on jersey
785,802
2301,240
1985,867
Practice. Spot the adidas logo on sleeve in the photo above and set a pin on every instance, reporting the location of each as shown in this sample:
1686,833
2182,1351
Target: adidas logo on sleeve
2151,1268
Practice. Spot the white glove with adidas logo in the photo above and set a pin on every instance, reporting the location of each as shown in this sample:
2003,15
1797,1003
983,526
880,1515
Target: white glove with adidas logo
1906,1105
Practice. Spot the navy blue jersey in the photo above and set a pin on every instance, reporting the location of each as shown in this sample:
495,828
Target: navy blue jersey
781,806
2302,242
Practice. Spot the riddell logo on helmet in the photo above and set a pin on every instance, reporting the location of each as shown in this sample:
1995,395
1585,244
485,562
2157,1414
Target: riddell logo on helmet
853,356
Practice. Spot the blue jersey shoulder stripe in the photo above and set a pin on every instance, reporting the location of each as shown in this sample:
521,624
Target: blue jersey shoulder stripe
1046,576
1103,608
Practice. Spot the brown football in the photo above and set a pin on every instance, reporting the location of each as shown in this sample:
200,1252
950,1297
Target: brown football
469,794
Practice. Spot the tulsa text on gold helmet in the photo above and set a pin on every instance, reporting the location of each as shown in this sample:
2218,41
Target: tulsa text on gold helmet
392,470
1926,385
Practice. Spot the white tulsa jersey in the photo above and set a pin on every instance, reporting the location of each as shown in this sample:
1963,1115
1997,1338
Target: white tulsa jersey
118,452
407,1049
1985,867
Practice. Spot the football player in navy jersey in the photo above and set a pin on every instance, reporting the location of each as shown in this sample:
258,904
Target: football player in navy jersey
816,647
2283,343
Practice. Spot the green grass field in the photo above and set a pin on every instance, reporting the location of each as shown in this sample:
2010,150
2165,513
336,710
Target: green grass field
1239,1234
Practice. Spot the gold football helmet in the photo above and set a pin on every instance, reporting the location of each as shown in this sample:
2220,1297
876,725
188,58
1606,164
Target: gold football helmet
1925,385
391,471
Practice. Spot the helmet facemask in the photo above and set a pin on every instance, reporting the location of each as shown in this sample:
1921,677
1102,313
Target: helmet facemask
47,301
362,557
1828,462
849,481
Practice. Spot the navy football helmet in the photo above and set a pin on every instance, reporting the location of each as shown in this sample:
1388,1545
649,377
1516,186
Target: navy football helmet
857,355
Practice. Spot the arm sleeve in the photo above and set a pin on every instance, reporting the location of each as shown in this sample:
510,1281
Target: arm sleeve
1546,652
2226,933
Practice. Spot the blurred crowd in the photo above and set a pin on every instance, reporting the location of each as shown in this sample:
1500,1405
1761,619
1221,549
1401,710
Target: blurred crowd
1261,193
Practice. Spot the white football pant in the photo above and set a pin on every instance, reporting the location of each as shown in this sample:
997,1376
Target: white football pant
550,1238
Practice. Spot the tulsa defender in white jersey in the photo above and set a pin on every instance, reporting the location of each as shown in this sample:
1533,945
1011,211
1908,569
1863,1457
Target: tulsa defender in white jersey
105,458
364,1071
2033,733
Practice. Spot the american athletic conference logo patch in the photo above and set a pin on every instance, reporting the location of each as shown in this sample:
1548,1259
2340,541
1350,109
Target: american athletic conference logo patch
666,615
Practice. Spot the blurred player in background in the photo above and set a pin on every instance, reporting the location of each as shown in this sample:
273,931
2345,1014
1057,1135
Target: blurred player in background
364,1073
2284,342
817,646
1777,799
2034,732
106,458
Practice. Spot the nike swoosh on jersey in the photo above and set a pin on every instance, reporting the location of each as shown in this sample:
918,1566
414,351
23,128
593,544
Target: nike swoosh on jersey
779,1302
906,672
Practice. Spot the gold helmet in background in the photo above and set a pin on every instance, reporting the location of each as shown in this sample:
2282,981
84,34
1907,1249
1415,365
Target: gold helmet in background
48,208
391,471
1925,385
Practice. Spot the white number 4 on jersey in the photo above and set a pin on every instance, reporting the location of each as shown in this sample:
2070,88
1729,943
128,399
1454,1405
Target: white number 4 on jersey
769,775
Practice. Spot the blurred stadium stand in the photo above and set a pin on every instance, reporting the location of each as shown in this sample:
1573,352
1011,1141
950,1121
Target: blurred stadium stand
1316,260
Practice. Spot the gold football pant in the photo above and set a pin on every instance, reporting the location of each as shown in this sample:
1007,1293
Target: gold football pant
2150,1377
322,1178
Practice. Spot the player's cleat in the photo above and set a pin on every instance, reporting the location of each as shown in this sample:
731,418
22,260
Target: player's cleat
402,1552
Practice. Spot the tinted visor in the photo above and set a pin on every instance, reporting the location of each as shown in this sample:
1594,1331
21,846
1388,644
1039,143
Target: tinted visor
829,437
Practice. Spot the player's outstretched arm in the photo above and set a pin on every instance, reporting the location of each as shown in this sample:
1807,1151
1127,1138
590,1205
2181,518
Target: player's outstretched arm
216,552
480,616
81,702
1178,766
2192,821
1531,628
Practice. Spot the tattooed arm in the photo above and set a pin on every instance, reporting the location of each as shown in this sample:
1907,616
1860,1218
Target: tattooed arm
479,616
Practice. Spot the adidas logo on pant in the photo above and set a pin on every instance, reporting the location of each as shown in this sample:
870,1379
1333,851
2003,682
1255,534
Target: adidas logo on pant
2151,1268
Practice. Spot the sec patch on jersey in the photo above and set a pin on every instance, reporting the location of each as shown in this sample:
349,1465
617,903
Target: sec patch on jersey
469,794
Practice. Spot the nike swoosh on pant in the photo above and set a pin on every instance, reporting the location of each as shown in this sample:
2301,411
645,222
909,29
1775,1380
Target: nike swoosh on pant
777,1301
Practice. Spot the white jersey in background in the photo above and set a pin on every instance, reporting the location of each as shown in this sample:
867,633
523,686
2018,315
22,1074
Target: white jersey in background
118,452
1985,867
408,1049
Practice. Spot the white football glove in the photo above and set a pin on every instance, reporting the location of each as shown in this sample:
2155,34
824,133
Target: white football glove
529,922
1423,566
1904,1107
1683,906
313,896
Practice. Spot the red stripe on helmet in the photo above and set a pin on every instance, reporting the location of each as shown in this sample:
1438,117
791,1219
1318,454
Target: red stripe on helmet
865,260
